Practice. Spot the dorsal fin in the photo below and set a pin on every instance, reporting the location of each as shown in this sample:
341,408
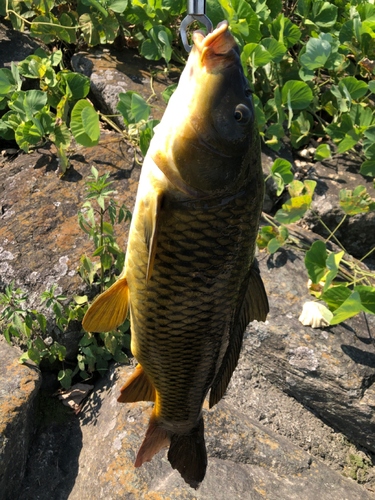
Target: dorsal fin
109,310
254,306
137,388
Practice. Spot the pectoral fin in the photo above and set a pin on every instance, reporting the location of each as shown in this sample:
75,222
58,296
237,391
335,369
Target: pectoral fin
254,306
109,310
137,388
151,218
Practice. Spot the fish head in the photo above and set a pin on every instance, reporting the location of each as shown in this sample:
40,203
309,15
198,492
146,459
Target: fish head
214,126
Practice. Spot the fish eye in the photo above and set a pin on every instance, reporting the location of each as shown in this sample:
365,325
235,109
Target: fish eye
242,114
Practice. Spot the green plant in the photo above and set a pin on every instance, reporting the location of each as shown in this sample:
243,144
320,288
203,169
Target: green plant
354,289
31,120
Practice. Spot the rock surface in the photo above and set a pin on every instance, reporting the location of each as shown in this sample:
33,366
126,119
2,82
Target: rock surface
15,46
331,370
357,233
246,461
122,71
41,242
19,386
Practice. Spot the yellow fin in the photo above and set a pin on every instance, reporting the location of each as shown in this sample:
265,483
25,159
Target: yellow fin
109,310
137,388
156,439
151,217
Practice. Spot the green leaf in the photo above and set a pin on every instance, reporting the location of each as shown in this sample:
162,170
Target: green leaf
293,210
284,31
41,319
317,53
65,378
7,82
282,169
322,152
168,92
266,234
349,308
118,5
351,138
106,260
332,263
356,88
61,136
367,295
368,168
32,131
276,49
297,93
146,134
78,86
77,124
139,108
124,106
39,344
357,201
315,261
90,122
34,355
80,299
323,14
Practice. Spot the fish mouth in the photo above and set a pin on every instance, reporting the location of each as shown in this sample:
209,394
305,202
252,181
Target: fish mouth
216,50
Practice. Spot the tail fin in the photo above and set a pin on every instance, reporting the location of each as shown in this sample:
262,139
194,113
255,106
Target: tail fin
137,388
187,454
156,438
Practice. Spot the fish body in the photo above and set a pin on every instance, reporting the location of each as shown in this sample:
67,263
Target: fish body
190,276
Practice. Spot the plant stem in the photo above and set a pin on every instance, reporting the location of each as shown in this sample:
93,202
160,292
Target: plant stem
332,234
101,244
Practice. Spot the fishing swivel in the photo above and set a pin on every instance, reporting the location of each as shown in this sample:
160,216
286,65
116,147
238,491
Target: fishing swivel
196,11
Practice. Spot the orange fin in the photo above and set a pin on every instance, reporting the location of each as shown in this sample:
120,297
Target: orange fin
187,454
151,223
155,440
109,310
137,388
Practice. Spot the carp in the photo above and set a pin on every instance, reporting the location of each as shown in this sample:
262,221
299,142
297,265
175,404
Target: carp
190,278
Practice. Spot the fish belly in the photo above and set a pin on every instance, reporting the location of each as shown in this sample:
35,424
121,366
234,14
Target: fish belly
182,318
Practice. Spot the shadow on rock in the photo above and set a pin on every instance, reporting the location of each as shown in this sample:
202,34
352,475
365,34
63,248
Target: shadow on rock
359,356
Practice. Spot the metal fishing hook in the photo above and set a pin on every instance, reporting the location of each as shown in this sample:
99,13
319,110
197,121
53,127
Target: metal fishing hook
196,11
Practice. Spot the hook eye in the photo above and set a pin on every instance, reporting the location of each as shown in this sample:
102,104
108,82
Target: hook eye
189,19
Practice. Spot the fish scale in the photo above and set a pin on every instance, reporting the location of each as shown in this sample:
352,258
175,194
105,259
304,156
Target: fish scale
191,323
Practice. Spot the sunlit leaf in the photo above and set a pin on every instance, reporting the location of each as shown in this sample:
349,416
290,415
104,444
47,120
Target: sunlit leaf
357,201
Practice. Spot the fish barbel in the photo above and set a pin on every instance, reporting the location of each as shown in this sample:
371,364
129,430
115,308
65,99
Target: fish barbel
190,277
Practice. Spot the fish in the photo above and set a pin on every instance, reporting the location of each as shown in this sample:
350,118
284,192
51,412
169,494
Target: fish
191,280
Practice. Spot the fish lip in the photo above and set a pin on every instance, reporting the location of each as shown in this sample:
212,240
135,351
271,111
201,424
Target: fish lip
217,49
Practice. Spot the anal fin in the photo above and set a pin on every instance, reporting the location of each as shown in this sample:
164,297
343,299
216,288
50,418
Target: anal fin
109,310
155,440
253,305
137,388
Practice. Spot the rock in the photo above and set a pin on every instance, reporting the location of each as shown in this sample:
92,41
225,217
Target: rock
330,370
19,386
15,46
245,460
357,233
122,71
41,243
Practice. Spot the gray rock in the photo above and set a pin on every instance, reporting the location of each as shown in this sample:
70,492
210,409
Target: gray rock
245,460
15,46
121,71
331,370
19,386
357,233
